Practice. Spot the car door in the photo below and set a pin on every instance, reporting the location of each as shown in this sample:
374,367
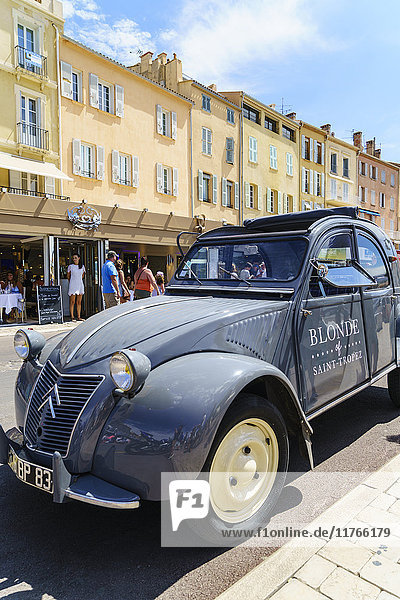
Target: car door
379,309
330,327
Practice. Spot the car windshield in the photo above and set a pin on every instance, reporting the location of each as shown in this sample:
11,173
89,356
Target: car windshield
253,260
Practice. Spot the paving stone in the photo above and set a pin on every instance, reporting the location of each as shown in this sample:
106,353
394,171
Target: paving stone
380,518
382,572
382,480
395,508
315,571
386,596
295,589
342,585
345,554
394,490
384,501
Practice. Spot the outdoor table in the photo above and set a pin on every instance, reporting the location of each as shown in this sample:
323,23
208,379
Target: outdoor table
10,301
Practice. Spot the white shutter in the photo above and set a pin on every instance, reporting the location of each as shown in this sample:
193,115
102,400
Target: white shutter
66,79
370,171
119,100
200,185
291,163
366,194
93,90
175,182
280,208
303,179
322,153
315,183
236,195
160,187
247,194
215,189
285,203
76,157
49,185
100,162
360,193
323,185
269,200
159,119
15,179
204,140
303,146
311,182
333,189
115,166
173,125
129,170
251,149
259,198
255,150
209,141
135,171
224,192
92,162
315,151
360,167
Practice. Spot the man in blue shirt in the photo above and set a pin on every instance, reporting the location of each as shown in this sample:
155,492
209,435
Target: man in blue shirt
109,276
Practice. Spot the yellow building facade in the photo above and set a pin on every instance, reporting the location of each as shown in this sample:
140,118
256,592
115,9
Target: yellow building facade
341,171
312,166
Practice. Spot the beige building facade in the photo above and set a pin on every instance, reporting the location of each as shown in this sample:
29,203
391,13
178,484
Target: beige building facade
312,166
341,188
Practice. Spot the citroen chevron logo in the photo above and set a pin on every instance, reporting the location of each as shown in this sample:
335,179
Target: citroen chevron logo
51,396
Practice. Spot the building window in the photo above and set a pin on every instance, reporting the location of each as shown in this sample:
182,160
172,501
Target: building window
26,42
206,103
392,179
306,148
362,194
167,180
124,169
289,163
77,86
391,203
104,97
207,187
287,203
346,172
230,144
251,195
333,163
252,149
166,123
288,133
318,152
383,222
318,187
333,189
373,172
251,114
273,157
29,182
383,176
373,194
230,190
363,168
206,137
230,115
306,181
87,160
345,190
271,124
382,200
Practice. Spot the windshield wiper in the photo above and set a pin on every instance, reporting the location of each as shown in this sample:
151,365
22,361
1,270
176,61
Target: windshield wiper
236,276
192,272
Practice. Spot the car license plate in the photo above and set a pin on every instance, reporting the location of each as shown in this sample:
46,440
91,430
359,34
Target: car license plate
29,473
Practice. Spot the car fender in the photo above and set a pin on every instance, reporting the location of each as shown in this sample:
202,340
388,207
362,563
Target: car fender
171,423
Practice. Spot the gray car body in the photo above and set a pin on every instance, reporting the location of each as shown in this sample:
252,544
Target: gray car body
206,346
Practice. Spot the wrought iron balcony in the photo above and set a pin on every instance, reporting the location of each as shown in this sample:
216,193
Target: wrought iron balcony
33,136
36,194
31,61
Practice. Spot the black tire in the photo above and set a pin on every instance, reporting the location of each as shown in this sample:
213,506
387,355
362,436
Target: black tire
394,386
247,406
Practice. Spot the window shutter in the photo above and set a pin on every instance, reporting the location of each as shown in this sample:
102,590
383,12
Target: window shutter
15,179
66,79
280,208
303,146
311,177
366,194
173,125
204,140
159,119
76,157
215,189
200,184
323,185
333,189
316,183
251,149
247,194
119,100
175,182
49,185
370,171
92,163
259,198
360,193
160,187
100,162
93,90
236,195
360,167
285,203
135,171
129,170
275,158
269,200
291,163
323,154
303,179
224,192
209,141
40,112
255,152
229,149
115,166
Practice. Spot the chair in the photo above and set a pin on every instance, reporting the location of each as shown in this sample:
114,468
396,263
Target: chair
21,310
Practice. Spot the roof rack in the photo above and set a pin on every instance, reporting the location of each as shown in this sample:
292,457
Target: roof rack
298,220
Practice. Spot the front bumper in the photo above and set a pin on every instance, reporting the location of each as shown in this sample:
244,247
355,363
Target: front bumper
85,488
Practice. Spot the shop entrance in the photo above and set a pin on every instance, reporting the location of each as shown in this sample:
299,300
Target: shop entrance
88,251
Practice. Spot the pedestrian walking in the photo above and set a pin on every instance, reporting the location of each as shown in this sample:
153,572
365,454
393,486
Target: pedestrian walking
144,280
123,288
160,283
109,276
76,289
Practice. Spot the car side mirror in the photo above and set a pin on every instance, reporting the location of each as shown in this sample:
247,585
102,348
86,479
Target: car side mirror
346,276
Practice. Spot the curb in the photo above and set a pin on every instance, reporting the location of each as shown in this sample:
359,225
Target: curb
275,570
7,331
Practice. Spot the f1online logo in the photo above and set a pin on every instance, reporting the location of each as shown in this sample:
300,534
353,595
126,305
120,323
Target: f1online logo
189,499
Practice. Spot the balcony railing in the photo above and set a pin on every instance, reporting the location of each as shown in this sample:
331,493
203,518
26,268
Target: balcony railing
33,136
31,61
22,192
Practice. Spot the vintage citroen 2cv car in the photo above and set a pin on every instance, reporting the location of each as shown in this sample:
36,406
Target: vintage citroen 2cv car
262,328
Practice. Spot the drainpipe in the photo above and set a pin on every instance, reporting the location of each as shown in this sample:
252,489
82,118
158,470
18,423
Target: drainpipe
191,161
241,184
59,101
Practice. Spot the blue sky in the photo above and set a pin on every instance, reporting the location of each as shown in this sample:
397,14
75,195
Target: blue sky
331,62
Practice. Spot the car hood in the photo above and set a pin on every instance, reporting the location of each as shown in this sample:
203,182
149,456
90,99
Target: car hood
165,326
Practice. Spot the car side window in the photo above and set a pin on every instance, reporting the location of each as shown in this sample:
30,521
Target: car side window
372,261
336,251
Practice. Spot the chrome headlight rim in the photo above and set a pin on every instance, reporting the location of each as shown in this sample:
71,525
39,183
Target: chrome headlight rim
21,335
34,343
129,371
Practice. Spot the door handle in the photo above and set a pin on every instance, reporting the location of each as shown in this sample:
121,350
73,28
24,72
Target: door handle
306,313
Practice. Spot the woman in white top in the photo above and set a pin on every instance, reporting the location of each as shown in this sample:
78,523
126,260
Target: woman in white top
75,274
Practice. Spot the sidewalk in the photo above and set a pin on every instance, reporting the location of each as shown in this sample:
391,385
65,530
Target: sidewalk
366,569
9,330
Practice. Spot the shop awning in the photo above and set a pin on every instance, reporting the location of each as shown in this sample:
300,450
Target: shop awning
25,165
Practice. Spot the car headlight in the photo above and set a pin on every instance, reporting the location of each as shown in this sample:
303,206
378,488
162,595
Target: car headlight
28,343
129,369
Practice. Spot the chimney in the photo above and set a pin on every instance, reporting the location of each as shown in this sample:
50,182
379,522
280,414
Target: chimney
162,57
292,116
273,106
377,153
213,87
370,147
145,62
357,139
326,128
173,73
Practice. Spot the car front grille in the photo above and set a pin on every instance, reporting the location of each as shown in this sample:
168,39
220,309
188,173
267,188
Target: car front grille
50,430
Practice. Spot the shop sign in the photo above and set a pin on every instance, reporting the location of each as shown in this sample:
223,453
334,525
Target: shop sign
84,217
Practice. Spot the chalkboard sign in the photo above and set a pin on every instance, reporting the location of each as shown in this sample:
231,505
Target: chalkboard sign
49,304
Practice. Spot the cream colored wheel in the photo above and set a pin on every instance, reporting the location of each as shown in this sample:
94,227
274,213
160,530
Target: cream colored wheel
243,470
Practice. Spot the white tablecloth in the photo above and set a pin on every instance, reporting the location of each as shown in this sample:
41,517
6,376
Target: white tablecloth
10,301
